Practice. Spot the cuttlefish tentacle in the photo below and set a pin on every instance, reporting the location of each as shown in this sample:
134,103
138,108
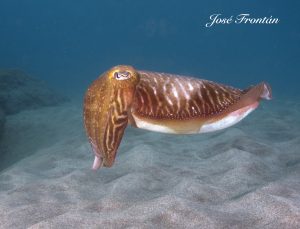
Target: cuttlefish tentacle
160,102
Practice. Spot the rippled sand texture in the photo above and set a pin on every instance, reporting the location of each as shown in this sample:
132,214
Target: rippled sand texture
247,176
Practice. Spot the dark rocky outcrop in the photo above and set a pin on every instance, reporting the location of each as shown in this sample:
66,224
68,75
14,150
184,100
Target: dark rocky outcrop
19,91
2,120
20,98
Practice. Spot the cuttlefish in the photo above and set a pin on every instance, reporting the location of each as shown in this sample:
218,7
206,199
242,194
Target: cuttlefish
160,102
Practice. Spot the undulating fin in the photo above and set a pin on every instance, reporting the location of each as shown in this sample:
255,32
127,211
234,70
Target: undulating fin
252,95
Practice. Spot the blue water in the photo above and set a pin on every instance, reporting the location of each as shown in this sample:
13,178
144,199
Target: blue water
69,43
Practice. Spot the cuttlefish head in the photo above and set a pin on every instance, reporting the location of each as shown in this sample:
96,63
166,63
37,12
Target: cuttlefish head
123,76
106,111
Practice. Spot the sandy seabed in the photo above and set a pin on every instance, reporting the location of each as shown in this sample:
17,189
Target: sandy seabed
247,176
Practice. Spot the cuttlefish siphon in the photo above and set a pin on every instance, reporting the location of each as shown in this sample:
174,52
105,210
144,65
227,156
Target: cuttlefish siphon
160,102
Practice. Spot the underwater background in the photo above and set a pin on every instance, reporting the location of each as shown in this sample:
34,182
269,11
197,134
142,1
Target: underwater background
69,43
246,176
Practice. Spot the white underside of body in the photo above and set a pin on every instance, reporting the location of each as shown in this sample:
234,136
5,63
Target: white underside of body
229,120
223,123
153,127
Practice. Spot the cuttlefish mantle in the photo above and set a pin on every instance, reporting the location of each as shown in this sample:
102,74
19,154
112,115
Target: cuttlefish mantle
160,102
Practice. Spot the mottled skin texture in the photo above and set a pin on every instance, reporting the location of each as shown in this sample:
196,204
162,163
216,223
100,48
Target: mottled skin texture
183,105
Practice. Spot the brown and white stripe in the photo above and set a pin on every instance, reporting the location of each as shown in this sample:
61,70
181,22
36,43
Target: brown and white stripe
168,96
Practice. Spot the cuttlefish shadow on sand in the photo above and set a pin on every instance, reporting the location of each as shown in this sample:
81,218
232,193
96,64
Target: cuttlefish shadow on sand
160,102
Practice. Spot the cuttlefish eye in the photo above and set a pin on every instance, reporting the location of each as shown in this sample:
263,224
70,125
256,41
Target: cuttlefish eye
122,75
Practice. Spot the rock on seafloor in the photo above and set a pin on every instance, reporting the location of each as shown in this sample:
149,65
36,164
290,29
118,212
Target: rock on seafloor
2,121
19,91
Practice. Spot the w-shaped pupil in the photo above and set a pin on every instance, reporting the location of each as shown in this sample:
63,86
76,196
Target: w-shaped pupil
119,75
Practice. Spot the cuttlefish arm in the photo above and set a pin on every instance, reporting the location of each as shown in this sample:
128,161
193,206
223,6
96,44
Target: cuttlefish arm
106,111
